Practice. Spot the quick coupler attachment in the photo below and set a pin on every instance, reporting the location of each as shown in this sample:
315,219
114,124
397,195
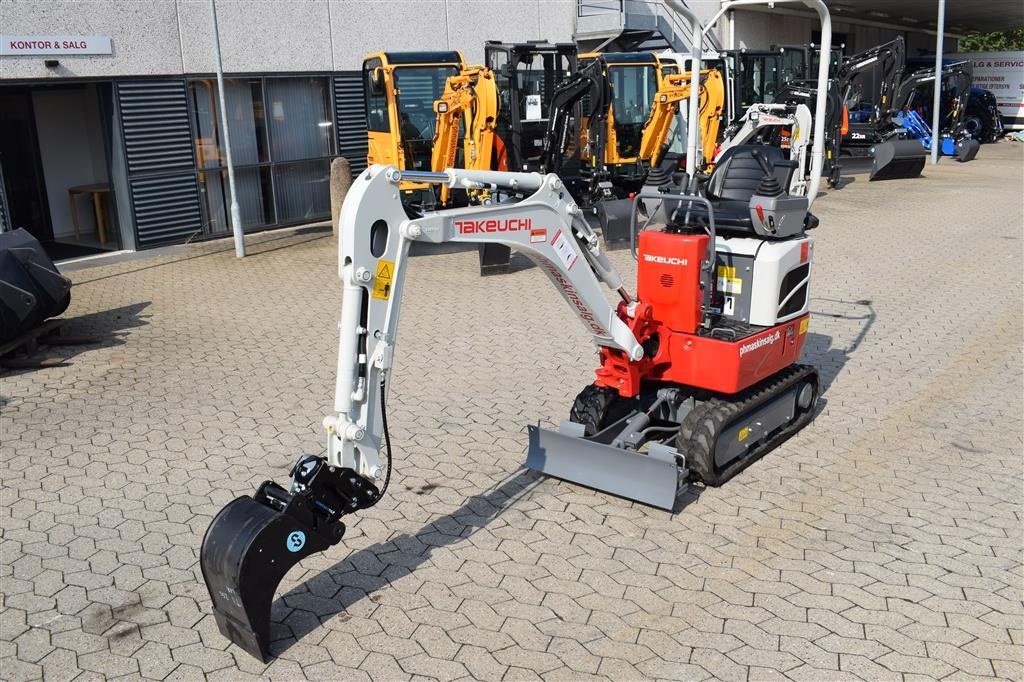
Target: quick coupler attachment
254,541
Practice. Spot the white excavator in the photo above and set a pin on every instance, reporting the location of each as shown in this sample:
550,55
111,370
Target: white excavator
698,375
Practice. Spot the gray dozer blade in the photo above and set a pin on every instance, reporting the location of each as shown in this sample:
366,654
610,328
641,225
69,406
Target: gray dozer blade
653,478
897,159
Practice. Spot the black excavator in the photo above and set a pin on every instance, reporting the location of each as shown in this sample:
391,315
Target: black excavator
527,76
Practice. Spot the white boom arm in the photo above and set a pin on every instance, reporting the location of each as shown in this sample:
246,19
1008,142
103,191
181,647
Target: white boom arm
375,233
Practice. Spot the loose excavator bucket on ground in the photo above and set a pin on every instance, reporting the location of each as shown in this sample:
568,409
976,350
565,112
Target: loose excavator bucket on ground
897,159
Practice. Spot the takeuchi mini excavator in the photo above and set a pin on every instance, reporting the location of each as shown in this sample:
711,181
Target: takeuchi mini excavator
698,366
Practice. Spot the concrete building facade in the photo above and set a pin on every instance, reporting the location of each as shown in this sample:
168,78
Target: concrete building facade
110,134
123,149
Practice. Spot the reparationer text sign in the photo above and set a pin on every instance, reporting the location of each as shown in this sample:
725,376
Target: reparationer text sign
45,45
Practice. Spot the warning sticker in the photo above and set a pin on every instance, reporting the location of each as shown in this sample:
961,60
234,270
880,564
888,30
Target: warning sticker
534,110
564,250
803,325
728,282
537,236
382,280
742,435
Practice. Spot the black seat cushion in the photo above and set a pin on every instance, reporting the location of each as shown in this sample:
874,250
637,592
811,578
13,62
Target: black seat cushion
734,180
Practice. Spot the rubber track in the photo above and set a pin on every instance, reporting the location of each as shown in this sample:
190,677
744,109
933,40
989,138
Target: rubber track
596,407
699,433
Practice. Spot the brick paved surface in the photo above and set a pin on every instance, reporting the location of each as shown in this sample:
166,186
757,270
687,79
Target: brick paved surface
882,542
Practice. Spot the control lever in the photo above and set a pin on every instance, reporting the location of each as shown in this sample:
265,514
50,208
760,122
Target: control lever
762,161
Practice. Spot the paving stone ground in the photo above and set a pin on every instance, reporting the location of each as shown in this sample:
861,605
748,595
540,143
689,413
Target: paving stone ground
882,542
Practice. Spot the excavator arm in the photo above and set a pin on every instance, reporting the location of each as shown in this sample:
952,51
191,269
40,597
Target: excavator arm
558,138
253,542
472,97
889,58
674,89
758,117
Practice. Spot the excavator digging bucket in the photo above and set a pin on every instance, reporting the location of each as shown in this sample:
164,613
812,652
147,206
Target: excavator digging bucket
897,159
254,541
653,478
614,215
966,149
246,552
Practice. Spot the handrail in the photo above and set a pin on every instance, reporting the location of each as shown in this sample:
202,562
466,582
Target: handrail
590,8
656,8
818,148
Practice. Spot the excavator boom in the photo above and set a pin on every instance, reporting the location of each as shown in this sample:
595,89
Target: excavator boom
470,97
254,541
674,89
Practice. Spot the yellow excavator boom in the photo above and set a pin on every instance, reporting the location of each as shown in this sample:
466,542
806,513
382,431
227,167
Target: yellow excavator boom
674,89
470,97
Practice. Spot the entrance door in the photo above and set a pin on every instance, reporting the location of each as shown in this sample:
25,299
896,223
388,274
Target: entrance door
74,148
24,185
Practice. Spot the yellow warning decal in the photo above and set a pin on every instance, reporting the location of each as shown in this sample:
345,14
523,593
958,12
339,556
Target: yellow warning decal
382,280
803,325
728,282
744,432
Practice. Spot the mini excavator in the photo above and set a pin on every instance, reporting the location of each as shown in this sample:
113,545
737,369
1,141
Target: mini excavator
698,373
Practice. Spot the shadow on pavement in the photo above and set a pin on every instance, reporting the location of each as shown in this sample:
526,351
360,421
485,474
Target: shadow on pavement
305,607
77,335
822,353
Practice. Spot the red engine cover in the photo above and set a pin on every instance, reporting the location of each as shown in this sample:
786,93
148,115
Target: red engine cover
669,309
668,277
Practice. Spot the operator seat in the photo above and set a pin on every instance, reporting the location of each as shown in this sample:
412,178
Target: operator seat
734,180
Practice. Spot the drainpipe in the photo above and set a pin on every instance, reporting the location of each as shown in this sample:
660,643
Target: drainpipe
236,215
940,27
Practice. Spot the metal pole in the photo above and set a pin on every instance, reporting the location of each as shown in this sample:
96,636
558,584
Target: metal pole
940,28
693,147
236,216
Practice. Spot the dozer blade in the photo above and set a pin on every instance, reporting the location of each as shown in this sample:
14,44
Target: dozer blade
654,478
897,159
254,541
